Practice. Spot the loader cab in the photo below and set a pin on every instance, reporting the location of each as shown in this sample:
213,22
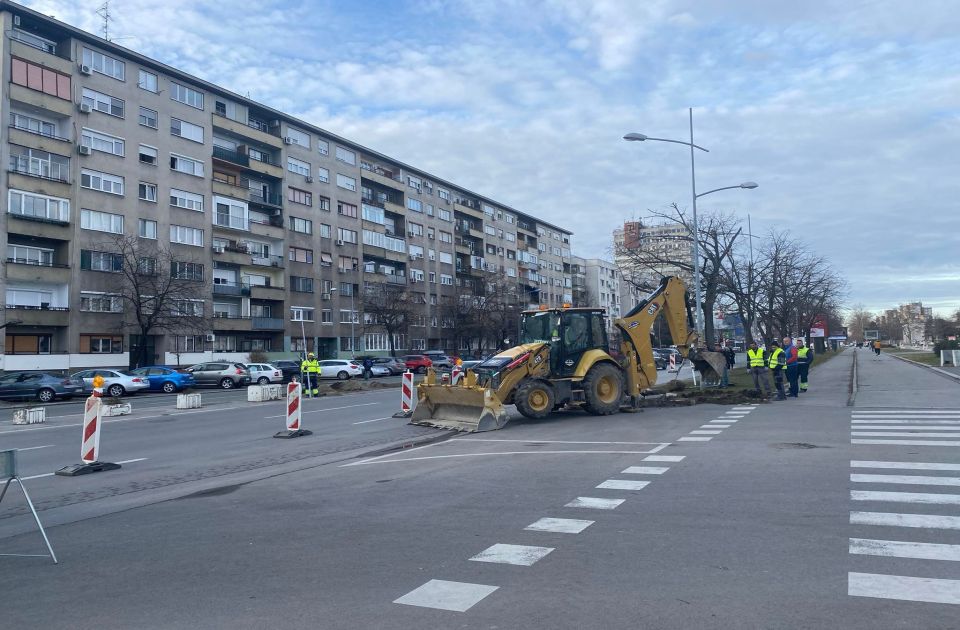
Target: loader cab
569,331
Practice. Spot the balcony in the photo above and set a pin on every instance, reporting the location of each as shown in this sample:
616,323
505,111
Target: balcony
472,211
382,176
267,261
268,323
231,288
243,191
267,292
231,222
28,50
228,155
47,102
20,269
228,322
38,140
269,199
273,228
41,169
38,315
253,130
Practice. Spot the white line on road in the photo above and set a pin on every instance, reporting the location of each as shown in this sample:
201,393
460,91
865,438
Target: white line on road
50,474
905,416
901,427
907,442
913,589
595,503
645,470
901,434
904,549
905,497
417,459
623,484
33,448
918,480
925,521
701,432
473,439
905,465
327,409
559,525
520,555
749,408
374,420
911,422
695,439
724,420
444,595
714,426
664,458
896,411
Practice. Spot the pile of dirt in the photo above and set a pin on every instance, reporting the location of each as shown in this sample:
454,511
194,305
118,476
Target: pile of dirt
354,385
724,396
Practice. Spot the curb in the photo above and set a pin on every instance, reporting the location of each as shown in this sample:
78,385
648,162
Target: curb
854,382
942,372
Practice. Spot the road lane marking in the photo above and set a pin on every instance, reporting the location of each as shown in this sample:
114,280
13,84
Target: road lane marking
745,408
907,417
902,427
34,448
918,480
559,525
327,409
702,432
905,465
714,426
896,411
904,549
664,458
623,484
374,420
907,442
473,439
457,455
905,497
50,474
444,595
724,420
899,421
645,470
130,419
695,439
595,503
901,587
901,434
520,555
925,521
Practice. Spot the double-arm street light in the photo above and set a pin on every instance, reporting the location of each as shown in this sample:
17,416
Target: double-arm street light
639,137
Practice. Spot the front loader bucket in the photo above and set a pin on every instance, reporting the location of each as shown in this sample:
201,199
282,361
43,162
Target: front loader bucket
468,409
709,364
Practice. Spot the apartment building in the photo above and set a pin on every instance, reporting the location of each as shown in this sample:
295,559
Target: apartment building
645,253
602,282
282,222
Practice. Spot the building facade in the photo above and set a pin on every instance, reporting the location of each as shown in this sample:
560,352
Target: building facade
284,224
602,280
646,253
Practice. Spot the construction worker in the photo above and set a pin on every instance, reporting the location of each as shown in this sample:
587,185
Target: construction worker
310,367
790,351
778,365
758,369
804,359
876,347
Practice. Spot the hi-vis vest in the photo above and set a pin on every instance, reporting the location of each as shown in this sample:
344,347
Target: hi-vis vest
775,359
756,358
802,354
310,366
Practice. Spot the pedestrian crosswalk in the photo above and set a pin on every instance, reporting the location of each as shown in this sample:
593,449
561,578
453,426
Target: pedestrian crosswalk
905,515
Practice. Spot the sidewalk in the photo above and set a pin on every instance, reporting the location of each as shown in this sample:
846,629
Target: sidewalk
888,382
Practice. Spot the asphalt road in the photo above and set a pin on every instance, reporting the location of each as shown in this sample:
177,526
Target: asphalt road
807,513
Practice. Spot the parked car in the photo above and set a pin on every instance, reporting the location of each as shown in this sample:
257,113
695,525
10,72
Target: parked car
340,369
417,363
440,359
161,378
288,367
378,369
115,382
395,365
264,373
222,373
40,385
659,360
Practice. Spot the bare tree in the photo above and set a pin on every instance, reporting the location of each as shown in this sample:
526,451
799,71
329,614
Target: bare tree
857,321
388,307
162,290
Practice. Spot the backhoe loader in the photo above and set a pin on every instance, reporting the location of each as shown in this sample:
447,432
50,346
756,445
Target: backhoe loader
563,361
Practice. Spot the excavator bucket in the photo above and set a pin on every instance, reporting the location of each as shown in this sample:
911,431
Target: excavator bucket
709,364
468,407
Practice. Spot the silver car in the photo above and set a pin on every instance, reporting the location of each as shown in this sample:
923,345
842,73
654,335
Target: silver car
115,382
264,373
224,374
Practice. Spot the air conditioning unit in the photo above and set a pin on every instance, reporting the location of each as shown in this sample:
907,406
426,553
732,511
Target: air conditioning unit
211,337
309,179
85,70
288,140
84,150
324,296
339,242
84,108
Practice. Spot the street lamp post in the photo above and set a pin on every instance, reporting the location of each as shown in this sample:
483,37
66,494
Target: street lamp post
639,137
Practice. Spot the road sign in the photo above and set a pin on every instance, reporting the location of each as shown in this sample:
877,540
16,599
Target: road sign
871,335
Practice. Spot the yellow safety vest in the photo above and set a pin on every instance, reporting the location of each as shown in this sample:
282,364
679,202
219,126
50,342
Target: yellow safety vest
775,359
756,357
310,367
802,353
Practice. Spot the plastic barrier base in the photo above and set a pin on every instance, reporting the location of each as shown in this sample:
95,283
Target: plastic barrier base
86,469
403,414
292,434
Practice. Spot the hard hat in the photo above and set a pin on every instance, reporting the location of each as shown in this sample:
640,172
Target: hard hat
310,355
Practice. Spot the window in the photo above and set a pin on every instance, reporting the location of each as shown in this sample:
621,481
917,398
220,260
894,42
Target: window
431,254
186,271
325,230
186,200
433,277
39,163
430,233
149,118
415,205
186,130
104,182
186,308
303,226
186,235
301,314
100,261
323,203
429,210
302,197
298,166
101,221
347,263
347,209
300,138
101,344
102,142
39,78
346,155
444,214
489,229
301,255
346,182
347,236
373,214
103,64
103,102
446,237
323,147
147,155
413,182
147,229
26,255
300,284
148,81
34,125
93,302
446,279
348,317
186,165
28,344
443,194
326,316
446,258
185,95
415,229
323,175
231,213
147,192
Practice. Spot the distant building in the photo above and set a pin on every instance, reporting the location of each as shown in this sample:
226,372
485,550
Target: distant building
646,253
602,280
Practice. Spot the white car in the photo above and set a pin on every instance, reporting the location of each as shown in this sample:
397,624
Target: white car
339,369
115,382
264,373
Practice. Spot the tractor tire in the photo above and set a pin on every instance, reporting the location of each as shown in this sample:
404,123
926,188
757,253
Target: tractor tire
602,390
534,399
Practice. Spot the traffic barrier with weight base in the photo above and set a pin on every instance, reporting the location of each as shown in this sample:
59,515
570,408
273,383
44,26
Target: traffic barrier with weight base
89,444
294,414
406,396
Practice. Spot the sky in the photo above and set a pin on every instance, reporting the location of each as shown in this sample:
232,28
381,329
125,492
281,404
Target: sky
845,112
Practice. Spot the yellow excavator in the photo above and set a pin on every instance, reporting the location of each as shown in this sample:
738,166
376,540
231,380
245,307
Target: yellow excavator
563,361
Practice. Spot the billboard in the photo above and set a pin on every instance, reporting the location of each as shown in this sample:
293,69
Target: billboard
871,335
818,332
819,326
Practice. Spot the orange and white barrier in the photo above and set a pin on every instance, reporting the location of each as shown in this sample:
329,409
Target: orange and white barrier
673,362
90,443
456,374
406,395
294,413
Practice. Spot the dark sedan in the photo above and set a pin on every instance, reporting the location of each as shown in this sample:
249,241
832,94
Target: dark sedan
39,385
165,379
289,368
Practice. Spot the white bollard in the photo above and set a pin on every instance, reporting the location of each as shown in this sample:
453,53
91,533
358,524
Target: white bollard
188,401
30,415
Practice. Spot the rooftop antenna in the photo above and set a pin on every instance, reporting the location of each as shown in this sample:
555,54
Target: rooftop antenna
104,12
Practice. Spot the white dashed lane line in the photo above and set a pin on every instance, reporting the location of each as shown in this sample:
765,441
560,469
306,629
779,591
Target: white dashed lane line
445,595
623,484
520,555
889,519
645,470
664,458
595,503
904,465
559,525
703,432
694,439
